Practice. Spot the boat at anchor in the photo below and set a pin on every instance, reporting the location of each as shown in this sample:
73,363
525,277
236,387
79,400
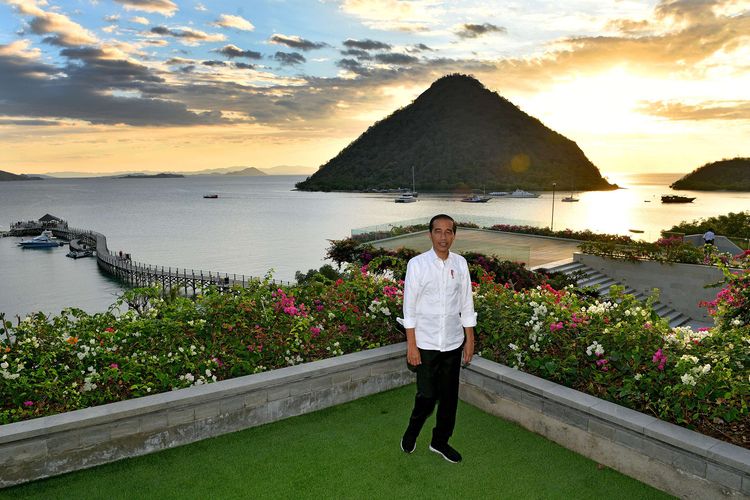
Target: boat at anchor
44,240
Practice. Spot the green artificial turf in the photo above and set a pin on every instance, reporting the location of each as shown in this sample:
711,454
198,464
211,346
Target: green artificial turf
352,451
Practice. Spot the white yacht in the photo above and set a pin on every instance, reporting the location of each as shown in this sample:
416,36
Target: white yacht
520,193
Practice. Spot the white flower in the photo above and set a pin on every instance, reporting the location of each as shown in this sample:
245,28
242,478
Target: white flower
4,365
638,376
688,379
513,347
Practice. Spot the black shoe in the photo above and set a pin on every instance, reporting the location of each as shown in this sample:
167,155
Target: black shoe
408,443
446,451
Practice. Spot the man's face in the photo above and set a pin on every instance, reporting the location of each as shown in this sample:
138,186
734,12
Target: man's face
442,235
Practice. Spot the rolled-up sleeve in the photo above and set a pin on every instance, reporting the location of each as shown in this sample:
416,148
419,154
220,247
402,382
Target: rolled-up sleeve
411,290
468,316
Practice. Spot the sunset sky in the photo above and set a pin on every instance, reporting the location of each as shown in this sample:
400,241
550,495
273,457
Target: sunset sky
159,85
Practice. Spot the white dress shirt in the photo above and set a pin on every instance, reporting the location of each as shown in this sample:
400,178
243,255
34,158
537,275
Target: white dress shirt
437,300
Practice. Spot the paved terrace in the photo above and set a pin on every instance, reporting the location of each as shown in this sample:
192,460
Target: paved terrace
531,250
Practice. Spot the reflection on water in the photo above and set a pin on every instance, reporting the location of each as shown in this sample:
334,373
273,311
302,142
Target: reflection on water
260,223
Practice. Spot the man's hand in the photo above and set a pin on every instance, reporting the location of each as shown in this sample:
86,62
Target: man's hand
412,351
469,346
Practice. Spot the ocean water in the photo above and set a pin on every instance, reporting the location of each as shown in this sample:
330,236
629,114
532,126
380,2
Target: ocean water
260,224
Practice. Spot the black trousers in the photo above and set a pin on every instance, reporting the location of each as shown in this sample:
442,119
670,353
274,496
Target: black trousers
437,383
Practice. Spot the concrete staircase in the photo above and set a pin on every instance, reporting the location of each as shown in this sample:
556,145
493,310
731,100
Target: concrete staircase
602,283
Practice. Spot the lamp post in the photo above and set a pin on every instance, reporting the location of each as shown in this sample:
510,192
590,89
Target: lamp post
552,223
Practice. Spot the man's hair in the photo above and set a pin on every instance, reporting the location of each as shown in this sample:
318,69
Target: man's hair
442,216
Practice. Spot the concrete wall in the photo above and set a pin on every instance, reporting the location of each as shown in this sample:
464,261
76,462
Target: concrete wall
666,456
79,439
671,458
680,285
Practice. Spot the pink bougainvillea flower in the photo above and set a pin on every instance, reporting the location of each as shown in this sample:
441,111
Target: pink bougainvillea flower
114,366
28,403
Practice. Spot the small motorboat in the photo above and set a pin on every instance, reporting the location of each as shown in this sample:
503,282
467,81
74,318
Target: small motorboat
674,198
44,240
520,193
211,196
476,199
77,254
570,198
405,198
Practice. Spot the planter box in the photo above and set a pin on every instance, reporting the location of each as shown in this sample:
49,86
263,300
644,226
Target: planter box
53,445
674,459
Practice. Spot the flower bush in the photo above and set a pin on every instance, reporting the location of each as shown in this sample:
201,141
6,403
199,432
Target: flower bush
147,343
618,349
615,348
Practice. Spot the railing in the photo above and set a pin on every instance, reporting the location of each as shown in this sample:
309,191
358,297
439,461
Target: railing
136,273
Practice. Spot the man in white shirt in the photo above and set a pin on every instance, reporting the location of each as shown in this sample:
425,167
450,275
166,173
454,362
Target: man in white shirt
439,319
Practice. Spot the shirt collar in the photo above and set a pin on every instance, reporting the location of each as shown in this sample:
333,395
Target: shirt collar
435,256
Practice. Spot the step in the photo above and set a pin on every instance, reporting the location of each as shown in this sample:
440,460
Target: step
567,268
595,280
680,320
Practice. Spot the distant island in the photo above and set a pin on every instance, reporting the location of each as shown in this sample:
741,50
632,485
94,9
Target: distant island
247,172
7,176
723,175
458,135
150,176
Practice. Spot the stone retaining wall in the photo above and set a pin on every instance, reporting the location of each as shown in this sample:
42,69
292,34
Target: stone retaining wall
79,439
671,458
668,457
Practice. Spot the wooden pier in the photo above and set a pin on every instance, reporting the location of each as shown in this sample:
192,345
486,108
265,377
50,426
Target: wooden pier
121,266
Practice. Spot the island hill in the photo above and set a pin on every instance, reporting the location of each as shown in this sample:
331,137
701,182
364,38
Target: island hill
458,135
149,176
724,175
7,176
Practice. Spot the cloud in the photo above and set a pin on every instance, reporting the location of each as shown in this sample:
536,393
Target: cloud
394,58
477,30
83,90
359,54
214,63
236,22
112,19
232,51
29,123
711,110
420,47
289,58
64,31
395,15
352,65
187,35
366,44
164,7
139,20
295,42
241,65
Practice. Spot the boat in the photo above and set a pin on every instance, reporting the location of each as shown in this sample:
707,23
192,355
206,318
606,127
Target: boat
405,198
636,230
673,198
211,196
475,198
570,198
77,254
44,240
520,193
409,196
499,193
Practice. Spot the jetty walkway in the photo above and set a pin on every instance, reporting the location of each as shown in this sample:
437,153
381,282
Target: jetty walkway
121,266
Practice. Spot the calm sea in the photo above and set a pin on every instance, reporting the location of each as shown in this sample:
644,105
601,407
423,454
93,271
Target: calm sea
260,223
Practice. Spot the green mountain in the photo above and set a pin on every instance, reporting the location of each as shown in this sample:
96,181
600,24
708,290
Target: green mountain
7,176
458,135
724,175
